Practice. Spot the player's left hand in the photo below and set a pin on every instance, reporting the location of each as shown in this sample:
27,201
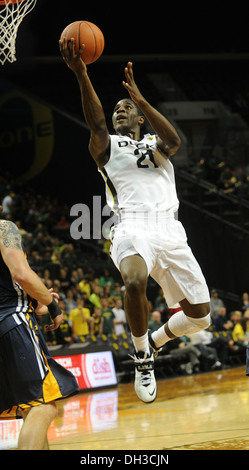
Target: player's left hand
130,84
56,323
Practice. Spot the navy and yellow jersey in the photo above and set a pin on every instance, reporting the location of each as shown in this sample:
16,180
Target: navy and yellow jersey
13,300
29,376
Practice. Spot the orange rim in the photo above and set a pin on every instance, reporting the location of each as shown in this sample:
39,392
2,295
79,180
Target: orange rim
3,2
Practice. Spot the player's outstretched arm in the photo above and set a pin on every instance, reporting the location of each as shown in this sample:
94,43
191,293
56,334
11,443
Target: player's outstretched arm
168,139
92,107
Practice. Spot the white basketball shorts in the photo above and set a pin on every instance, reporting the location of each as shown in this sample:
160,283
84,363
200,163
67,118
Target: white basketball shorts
162,242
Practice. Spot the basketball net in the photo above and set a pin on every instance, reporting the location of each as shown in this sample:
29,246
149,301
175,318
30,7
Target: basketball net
12,13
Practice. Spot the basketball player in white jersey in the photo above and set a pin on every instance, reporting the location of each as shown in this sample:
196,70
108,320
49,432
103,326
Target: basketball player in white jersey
148,240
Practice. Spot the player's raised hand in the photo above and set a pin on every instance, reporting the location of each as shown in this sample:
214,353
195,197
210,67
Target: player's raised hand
70,57
130,84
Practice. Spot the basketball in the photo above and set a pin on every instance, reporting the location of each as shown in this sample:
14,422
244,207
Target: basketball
87,33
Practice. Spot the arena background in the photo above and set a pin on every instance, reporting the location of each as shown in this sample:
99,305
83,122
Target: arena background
201,54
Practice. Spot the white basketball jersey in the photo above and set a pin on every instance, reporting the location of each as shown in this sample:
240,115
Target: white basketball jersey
138,177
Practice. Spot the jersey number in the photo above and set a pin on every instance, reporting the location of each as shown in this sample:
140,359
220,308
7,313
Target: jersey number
140,160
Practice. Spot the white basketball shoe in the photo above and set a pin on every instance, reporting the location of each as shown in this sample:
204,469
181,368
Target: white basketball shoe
145,382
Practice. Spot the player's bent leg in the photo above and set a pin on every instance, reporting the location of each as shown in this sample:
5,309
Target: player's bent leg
194,318
180,324
33,435
195,310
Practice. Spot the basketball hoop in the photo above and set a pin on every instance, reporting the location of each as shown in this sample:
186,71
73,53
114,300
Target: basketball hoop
12,13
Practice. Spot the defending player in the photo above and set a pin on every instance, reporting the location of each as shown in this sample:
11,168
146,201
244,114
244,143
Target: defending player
140,187
30,380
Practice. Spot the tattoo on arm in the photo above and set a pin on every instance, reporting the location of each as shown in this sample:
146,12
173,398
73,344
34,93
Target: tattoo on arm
10,235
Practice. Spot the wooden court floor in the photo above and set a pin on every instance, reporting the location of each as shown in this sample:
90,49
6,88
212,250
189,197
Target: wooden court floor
200,412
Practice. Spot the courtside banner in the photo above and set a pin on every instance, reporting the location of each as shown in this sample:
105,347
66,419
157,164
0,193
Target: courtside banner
92,370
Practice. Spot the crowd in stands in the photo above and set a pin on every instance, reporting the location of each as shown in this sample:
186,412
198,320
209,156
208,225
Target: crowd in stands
232,179
93,303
